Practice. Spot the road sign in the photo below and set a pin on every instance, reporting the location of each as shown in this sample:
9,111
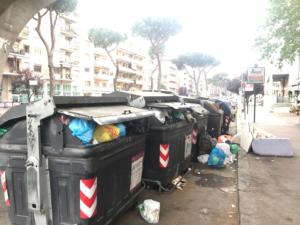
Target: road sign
33,82
249,87
256,75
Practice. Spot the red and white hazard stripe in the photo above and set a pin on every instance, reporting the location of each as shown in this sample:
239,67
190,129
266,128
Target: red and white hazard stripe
164,155
88,198
194,136
4,187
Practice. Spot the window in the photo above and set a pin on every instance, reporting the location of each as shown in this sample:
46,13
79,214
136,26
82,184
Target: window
75,91
37,68
66,90
26,48
87,83
57,89
87,69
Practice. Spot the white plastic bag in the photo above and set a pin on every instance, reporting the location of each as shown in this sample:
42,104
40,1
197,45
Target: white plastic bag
224,147
149,210
203,158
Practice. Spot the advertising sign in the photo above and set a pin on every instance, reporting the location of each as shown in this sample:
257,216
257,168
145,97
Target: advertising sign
249,87
256,75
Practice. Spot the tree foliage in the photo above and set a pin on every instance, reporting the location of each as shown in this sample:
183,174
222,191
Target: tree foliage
109,41
195,65
158,31
63,6
234,85
106,38
280,40
219,80
21,84
53,11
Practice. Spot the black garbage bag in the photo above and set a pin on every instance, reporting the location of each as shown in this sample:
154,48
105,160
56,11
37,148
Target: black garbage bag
205,145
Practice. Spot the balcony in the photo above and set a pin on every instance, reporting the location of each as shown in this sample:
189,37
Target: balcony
63,77
69,32
124,80
101,76
65,63
130,71
130,60
67,48
71,18
101,63
18,53
10,73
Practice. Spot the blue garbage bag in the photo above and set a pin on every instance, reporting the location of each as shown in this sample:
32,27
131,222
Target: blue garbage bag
122,129
82,129
216,158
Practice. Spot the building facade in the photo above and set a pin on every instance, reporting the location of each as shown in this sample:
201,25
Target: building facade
282,84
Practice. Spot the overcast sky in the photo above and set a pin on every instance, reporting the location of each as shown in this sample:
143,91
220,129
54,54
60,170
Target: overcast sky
224,29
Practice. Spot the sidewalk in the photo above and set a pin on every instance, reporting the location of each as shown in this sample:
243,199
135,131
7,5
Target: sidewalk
269,190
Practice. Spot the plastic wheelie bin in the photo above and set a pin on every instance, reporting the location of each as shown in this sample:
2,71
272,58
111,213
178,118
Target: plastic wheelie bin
215,120
200,127
169,140
49,176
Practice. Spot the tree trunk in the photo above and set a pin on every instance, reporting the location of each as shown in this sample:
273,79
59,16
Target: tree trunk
51,74
206,85
196,82
116,77
159,71
151,82
196,86
28,95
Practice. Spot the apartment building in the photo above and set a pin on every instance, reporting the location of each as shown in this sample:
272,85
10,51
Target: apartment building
131,61
18,58
28,52
282,85
80,68
186,83
170,76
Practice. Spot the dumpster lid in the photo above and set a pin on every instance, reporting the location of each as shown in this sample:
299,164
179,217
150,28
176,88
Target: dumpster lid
147,96
106,114
178,105
199,109
14,113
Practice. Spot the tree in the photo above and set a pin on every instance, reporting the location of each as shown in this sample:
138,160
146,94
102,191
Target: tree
234,85
196,65
158,31
280,41
53,11
219,80
109,41
28,84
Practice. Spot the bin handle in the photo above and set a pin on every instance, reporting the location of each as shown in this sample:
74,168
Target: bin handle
126,112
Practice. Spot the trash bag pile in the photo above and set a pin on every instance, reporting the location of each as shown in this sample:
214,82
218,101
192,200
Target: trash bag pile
88,132
222,152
